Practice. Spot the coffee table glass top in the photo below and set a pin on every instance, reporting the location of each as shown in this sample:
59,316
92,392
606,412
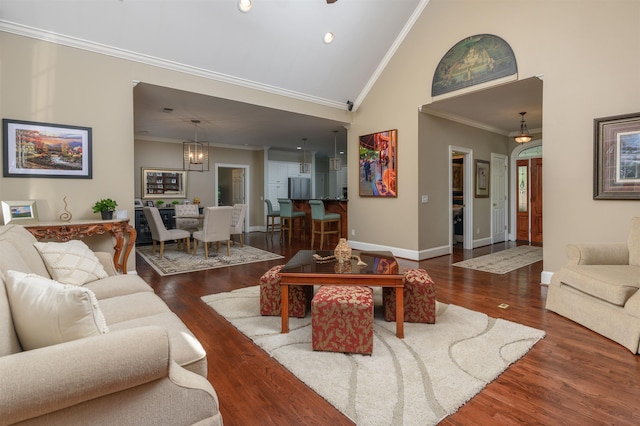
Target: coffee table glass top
378,263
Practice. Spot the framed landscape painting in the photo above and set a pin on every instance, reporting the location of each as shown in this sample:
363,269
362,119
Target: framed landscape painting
616,169
378,164
46,150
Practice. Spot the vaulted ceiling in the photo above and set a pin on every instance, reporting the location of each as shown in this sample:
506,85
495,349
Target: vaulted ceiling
276,47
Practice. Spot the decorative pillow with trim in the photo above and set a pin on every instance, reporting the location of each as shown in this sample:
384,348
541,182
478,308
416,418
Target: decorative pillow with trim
46,312
71,262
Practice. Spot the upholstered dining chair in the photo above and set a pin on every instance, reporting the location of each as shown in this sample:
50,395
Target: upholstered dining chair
237,221
186,216
271,217
321,222
215,228
159,233
288,217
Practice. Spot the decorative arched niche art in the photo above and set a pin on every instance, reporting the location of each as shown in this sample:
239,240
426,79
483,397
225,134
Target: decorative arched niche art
474,60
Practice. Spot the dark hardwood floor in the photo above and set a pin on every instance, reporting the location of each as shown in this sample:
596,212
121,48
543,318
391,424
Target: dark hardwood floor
572,376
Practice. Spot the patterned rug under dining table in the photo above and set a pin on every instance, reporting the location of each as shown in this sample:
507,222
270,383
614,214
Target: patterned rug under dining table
381,270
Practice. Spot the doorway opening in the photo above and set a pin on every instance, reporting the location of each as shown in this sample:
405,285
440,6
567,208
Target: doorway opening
232,187
526,193
460,197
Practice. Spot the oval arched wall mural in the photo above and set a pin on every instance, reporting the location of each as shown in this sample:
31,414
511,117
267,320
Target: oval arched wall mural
474,60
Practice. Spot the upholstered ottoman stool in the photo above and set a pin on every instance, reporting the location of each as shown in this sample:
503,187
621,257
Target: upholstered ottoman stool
419,298
270,296
342,319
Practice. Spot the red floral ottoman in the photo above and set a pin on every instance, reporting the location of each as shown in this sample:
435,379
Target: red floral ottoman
270,297
419,298
342,319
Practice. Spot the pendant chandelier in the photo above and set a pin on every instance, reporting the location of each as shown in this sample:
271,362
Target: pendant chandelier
195,154
524,135
335,163
304,166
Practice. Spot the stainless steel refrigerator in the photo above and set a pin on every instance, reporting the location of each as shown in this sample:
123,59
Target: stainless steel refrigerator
299,188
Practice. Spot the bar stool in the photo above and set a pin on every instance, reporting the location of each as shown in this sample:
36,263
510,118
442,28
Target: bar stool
271,217
288,217
320,217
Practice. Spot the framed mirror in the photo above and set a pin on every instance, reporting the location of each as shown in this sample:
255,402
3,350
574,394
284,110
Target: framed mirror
164,183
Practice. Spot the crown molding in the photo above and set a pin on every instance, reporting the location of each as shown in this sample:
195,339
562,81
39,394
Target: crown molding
462,120
38,34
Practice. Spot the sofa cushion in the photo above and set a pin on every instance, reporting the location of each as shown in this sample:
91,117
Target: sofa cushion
131,306
612,283
634,242
46,312
118,285
71,262
9,343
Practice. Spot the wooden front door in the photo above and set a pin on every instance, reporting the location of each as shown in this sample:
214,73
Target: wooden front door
529,200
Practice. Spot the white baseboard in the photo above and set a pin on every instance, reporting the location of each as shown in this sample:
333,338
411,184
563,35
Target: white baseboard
545,277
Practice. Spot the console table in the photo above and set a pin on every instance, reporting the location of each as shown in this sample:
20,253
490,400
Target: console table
78,229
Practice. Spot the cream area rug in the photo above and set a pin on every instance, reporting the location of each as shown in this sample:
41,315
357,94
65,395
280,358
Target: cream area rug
418,380
176,261
504,261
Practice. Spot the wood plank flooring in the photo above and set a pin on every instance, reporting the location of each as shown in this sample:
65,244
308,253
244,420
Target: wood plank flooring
572,376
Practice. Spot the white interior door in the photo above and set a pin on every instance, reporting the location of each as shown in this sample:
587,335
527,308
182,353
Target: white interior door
498,198
237,186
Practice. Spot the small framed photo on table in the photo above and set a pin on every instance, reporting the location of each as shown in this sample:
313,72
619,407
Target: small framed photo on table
149,203
19,212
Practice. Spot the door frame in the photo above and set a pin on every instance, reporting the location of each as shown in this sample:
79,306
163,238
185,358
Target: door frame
513,187
467,215
247,194
505,159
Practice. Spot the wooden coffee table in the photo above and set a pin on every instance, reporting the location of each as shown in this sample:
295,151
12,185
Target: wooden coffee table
382,270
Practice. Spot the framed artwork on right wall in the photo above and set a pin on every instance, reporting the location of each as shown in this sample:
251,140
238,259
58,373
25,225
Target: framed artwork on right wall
482,179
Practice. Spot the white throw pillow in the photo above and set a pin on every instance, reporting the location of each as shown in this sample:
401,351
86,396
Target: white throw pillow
46,312
71,262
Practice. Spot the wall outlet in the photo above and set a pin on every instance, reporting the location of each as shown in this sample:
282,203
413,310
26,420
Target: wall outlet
425,199
353,232
478,231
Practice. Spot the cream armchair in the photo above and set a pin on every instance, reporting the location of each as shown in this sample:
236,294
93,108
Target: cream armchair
216,228
237,221
598,288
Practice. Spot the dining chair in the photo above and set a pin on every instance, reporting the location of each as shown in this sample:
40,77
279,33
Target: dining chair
159,233
187,217
321,222
215,228
288,217
271,217
237,221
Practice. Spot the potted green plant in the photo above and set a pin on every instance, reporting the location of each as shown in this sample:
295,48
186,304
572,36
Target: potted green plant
159,203
175,202
105,207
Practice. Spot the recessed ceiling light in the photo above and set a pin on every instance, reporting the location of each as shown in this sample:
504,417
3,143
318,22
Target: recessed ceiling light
328,38
245,5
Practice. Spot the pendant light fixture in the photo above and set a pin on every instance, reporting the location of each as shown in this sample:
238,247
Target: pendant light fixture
335,163
195,154
304,166
524,135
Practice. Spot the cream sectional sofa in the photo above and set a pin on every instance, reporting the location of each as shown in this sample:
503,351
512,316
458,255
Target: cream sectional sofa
598,288
143,367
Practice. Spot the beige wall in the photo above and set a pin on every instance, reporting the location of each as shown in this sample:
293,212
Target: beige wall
151,154
587,74
46,82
